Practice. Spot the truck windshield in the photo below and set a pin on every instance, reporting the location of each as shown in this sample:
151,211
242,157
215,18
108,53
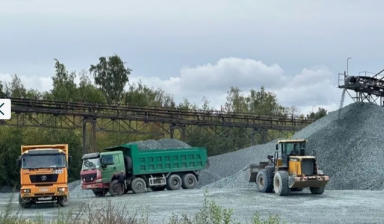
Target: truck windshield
43,161
293,147
89,164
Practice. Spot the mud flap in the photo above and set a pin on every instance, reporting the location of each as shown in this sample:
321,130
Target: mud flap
207,165
310,181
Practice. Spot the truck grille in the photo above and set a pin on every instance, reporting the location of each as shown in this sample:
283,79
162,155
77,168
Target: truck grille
89,177
42,178
308,167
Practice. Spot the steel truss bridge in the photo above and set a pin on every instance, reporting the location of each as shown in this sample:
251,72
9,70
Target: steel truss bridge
171,122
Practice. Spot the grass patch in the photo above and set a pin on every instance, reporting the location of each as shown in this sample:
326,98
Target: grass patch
210,213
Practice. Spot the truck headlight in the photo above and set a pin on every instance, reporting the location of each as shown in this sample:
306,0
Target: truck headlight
25,190
61,189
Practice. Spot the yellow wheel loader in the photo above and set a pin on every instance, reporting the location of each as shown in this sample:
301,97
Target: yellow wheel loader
289,169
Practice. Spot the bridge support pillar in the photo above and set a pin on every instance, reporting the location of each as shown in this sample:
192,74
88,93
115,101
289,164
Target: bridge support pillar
92,139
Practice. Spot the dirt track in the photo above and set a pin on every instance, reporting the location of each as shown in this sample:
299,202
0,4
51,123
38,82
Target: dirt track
332,207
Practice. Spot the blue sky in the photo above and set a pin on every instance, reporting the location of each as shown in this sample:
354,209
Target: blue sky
199,48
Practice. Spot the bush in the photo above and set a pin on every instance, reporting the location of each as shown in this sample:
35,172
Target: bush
211,213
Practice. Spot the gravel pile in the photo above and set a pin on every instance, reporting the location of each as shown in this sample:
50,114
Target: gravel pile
226,170
350,149
164,143
348,146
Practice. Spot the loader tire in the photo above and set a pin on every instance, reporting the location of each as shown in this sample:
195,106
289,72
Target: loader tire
264,181
317,190
280,183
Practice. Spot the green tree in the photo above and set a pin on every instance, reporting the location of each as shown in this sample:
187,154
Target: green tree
321,112
64,86
112,76
87,92
10,141
15,88
141,95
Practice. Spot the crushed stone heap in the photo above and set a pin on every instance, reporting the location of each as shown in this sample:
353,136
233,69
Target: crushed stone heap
348,148
226,169
164,143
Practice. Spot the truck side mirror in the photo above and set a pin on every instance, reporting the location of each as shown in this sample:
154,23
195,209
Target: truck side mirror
18,162
277,147
69,159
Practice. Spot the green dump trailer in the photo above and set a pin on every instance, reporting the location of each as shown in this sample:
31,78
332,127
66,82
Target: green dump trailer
156,169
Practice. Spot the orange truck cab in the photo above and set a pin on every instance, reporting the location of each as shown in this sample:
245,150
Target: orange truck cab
43,174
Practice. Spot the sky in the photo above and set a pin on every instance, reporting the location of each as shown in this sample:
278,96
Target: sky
193,49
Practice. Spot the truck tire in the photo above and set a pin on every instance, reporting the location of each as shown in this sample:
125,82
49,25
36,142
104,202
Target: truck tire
161,188
189,181
128,163
114,188
264,181
63,201
280,183
317,190
173,182
138,185
297,189
127,189
99,193
24,204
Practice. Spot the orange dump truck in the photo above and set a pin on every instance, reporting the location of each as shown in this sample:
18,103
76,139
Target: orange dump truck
43,174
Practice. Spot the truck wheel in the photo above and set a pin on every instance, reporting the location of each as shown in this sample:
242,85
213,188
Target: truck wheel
173,182
114,188
63,201
264,181
280,182
126,190
188,181
317,190
297,189
24,204
99,193
161,188
138,185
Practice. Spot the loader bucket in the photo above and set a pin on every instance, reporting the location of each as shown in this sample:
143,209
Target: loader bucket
309,181
251,174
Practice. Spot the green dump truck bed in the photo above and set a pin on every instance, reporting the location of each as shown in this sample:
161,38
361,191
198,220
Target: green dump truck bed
164,160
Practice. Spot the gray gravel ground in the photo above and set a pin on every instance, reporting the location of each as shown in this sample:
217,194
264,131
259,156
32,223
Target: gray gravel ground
332,207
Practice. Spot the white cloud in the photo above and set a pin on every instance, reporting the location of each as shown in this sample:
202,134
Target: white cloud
312,88
315,86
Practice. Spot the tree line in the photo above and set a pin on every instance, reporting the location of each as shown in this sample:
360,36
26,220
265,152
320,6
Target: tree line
105,82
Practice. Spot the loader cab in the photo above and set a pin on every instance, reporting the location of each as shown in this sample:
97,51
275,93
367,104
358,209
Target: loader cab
287,148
